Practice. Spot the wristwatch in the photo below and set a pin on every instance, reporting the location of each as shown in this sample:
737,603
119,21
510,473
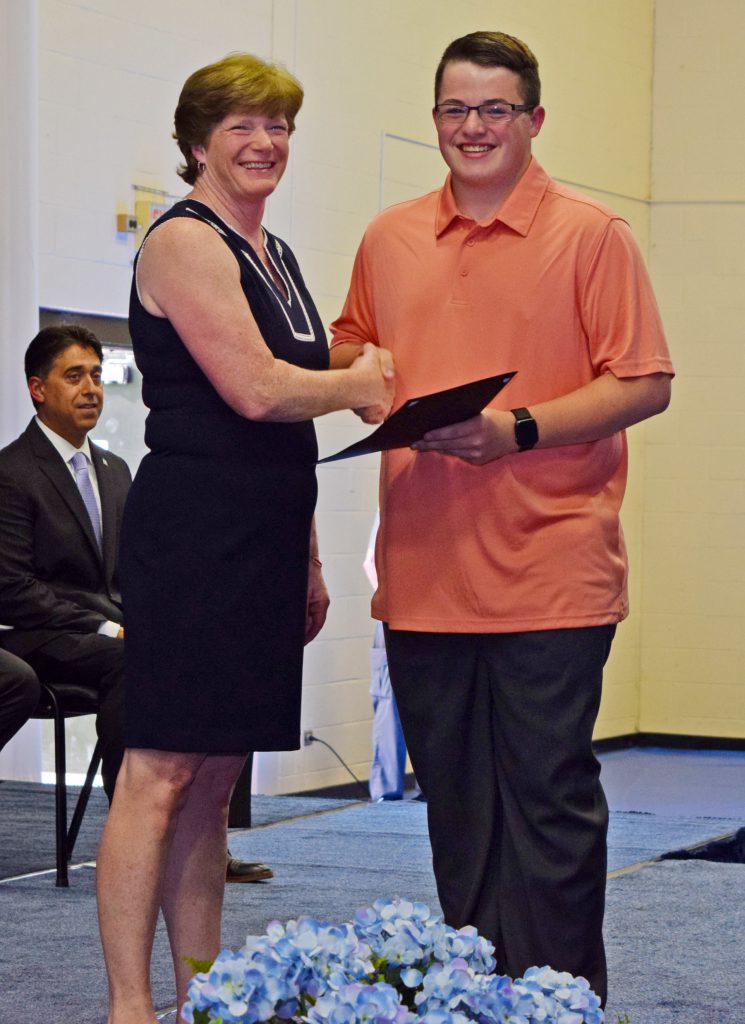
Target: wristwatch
526,429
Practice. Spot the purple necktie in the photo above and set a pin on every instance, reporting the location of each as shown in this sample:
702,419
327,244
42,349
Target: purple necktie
79,464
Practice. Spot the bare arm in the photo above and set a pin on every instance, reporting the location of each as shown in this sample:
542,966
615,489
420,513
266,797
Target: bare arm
187,274
596,410
344,354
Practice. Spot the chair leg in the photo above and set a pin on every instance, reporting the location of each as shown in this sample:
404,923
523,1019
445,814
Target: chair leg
60,791
82,802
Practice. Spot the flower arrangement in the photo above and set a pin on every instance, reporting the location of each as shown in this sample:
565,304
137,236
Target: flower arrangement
395,963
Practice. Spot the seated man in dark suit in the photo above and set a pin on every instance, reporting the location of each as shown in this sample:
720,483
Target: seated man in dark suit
19,695
61,503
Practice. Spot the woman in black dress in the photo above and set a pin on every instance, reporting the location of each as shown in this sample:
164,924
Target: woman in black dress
221,578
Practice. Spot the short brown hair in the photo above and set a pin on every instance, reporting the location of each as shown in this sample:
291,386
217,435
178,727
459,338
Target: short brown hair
495,50
238,83
51,342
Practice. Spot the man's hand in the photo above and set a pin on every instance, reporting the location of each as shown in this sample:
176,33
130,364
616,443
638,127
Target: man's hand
346,354
318,602
377,413
482,439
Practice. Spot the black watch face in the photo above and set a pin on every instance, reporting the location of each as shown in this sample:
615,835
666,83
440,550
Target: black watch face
526,432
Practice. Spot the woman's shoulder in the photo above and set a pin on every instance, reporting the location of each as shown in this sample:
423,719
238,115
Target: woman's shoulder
183,244
186,221
183,215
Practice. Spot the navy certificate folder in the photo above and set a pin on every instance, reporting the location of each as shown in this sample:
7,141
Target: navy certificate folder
429,412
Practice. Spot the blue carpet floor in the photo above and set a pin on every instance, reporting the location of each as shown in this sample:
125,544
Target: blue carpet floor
700,783
674,929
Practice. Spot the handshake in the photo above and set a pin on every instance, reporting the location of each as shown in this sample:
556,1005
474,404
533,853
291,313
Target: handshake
376,372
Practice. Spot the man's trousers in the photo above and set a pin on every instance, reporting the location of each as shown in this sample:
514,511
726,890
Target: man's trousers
499,730
19,695
96,661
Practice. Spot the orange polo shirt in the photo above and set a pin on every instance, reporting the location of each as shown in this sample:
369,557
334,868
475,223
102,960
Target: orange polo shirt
555,288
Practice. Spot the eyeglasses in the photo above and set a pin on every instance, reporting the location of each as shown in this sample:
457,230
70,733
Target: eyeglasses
491,112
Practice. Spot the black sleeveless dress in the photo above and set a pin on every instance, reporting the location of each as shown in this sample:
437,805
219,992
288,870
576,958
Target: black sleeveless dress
214,545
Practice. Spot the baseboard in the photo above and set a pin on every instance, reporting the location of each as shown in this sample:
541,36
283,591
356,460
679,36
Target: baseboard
669,741
664,740
348,790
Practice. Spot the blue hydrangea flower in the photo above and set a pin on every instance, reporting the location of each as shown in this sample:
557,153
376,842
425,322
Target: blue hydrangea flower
572,1000
466,944
443,1017
395,953
321,955
399,931
493,998
239,990
357,1003
405,934
447,987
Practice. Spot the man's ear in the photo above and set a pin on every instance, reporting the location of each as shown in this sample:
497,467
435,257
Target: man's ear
36,389
537,118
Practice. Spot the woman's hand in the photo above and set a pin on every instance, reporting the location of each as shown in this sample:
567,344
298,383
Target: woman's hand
318,602
378,364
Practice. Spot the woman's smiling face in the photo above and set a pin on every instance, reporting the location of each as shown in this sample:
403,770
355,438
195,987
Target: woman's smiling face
245,155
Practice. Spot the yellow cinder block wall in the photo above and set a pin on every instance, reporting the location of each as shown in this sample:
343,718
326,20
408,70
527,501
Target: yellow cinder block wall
692,677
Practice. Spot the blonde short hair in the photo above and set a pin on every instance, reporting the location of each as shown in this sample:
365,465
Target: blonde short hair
239,83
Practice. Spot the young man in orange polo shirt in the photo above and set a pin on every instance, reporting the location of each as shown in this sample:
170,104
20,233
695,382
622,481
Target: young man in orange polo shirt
501,561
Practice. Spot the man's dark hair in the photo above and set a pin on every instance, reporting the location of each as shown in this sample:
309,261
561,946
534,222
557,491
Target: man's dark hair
495,50
51,342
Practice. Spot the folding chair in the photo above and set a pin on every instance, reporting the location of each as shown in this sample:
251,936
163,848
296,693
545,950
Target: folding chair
59,701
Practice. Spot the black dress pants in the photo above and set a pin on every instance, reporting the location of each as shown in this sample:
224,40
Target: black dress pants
19,695
96,661
499,730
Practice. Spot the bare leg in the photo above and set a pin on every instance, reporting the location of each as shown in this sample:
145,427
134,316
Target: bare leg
152,790
194,882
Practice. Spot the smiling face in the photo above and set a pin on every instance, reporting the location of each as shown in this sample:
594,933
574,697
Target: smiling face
69,398
245,156
486,161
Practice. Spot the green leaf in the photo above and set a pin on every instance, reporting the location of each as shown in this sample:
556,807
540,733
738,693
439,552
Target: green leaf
198,966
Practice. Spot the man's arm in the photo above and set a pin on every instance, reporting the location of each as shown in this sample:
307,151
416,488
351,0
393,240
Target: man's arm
596,410
344,354
356,326
621,320
27,602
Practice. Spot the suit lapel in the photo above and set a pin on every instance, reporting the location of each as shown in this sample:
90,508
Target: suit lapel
59,475
108,508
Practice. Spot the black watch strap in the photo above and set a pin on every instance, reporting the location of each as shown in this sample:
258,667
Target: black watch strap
526,429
